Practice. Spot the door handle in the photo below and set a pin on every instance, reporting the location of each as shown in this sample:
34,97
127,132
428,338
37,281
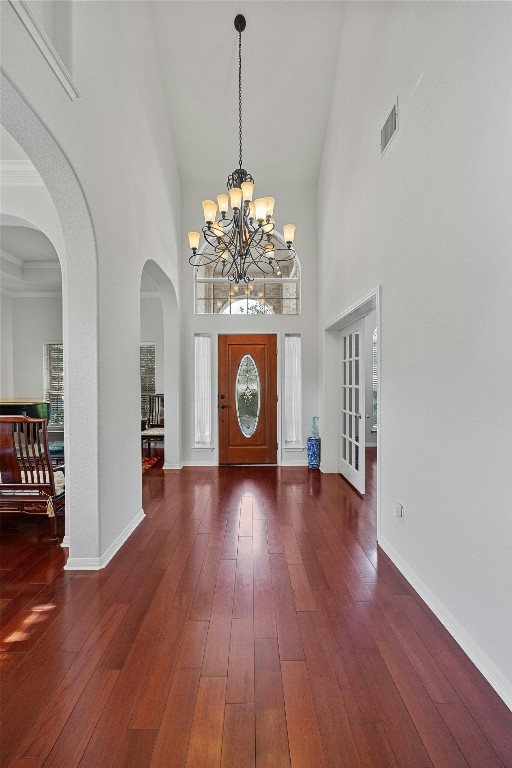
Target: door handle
222,406
357,415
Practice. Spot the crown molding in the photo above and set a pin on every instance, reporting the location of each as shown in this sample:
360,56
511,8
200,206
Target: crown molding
41,265
19,173
46,47
12,259
31,294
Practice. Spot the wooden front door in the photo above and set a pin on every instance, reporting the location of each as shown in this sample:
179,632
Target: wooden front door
247,399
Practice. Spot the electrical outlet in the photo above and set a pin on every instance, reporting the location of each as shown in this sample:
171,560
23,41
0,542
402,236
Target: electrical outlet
399,513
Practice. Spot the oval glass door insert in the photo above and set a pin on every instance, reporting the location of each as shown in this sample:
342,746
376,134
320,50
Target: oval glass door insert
247,394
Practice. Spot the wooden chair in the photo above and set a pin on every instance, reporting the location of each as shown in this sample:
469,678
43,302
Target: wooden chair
28,481
154,426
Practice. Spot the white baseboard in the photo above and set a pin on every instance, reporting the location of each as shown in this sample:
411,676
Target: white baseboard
97,563
489,670
199,464
172,466
370,445
65,542
297,463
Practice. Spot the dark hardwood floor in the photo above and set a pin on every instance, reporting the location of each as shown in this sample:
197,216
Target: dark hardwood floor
250,620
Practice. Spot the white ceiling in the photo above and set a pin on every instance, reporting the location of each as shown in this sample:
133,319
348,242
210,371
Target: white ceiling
27,244
29,262
289,53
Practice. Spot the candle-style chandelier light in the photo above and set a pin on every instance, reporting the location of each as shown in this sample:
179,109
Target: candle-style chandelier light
241,244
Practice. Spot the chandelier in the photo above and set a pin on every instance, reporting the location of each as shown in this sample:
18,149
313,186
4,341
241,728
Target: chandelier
242,243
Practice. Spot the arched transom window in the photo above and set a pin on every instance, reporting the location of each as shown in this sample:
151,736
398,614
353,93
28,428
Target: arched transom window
278,294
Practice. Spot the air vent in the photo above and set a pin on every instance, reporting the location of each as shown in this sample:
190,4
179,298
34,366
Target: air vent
389,129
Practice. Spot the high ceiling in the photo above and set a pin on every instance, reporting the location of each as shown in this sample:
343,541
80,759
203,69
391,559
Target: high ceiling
289,53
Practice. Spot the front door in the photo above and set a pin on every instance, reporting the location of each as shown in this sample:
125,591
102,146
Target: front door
352,428
247,399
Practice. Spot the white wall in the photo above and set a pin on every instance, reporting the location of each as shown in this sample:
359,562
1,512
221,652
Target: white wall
55,18
292,204
36,321
117,140
6,347
431,222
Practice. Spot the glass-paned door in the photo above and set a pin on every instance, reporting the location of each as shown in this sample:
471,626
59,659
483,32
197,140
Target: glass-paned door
352,428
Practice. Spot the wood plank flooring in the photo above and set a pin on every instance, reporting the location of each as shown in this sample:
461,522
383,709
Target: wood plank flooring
250,620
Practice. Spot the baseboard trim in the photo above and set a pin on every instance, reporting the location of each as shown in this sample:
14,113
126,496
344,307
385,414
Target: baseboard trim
492,674
199,464
302,463
97,563
65,542
172,466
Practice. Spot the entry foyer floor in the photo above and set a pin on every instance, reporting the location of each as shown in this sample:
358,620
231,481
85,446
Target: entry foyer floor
249,620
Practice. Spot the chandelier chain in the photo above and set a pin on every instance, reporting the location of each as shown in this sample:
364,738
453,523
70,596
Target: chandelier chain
240,91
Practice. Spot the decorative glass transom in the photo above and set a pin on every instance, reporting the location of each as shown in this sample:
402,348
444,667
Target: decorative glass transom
262,295
247,394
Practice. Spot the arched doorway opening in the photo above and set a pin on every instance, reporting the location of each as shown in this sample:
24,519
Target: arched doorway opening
160,327
74,244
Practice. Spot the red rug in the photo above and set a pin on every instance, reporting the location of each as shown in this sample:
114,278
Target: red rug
147,463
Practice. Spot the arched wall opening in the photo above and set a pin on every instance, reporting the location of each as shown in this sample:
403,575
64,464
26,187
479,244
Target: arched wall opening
78,258
170,347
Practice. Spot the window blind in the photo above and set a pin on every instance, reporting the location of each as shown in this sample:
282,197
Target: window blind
53,382
147,377
292,390
202,390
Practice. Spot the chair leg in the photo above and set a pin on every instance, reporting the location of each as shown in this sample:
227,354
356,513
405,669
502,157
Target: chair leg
53,523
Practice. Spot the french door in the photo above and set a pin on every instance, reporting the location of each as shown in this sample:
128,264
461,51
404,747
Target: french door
352,397
247,400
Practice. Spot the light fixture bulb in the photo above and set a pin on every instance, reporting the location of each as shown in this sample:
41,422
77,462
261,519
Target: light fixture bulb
223,201
209,210
235,195
269,251
268,226
247,189
271,201
261,208
252,211
193,239
289,232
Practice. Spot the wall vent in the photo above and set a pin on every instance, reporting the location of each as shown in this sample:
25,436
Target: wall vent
389,129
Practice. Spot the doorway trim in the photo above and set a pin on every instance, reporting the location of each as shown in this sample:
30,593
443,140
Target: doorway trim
369,303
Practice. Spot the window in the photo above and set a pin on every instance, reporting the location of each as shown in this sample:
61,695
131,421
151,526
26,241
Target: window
278,294
202,390
292,391
147,377
374,380
53,382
